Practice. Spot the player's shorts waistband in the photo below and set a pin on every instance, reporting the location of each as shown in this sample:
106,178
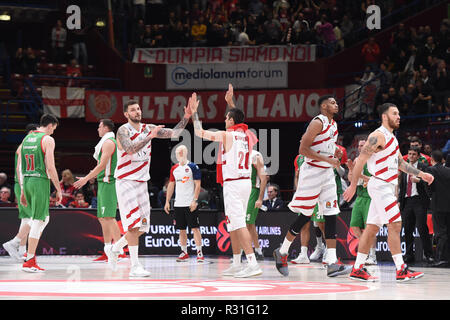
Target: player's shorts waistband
234,179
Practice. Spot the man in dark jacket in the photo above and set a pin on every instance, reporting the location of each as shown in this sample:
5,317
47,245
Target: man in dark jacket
414,202
440,205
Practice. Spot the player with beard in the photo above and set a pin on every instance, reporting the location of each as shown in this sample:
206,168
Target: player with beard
132,173
383,158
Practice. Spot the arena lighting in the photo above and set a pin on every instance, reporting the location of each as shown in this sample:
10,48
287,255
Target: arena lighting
5,17
100,23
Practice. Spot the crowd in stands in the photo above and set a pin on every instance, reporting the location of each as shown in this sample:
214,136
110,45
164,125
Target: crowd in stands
414,74
331,25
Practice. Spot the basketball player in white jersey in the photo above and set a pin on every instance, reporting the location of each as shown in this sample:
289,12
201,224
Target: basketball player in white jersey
381,152
316,184
233,171
132,173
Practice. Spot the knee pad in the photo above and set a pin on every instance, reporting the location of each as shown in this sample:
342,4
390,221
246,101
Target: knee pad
37,227
24,222
298,224
330,227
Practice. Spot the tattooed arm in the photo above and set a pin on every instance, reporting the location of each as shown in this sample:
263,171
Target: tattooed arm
409,169
128,145
166,133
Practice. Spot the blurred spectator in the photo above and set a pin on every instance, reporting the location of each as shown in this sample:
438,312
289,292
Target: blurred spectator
53,203
371,53
79,45
325,31
422,99
90,192
79,201
255,7
346,27
67,188
139,9
73,69
198,32
274,202
5,195
158,36
272,29
147,40
19,65
441,83
59,37
4,180
416,142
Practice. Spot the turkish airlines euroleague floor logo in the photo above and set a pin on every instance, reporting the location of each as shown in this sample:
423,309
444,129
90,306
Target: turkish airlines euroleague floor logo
223,237
158,289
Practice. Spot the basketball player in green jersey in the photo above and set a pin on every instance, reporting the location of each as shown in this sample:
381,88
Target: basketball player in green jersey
259,181
37,163
16,247
361,205
106,156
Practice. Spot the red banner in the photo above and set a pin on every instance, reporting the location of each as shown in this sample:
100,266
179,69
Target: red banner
168,107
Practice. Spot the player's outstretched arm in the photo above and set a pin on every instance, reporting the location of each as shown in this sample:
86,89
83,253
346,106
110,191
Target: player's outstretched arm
409,169
167,133
130,146
198,129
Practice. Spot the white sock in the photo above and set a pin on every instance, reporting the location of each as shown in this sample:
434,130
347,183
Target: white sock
122,242
199,251
15,241
237,259
22,250
29,256
251,259
331,255
304,251
319,241
184,248
398,260
134,251
259,250
372,252
107,246
360,259
285,247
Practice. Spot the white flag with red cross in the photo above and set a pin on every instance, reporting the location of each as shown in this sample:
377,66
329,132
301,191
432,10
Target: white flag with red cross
63,102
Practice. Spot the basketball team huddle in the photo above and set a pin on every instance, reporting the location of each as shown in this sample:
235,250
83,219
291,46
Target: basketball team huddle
123,170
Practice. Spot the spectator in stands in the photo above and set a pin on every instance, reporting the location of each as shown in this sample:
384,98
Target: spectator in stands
198,32
90,192
272,29
52,203
147,40
67,188
30,61
79,201
19,64
416,142
139,9
4,180
346,27
427,149
441,83
139,31
255,7
158,36
422,99
371,53
5,195
58,45
274,202
327,35
73,69
79,45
